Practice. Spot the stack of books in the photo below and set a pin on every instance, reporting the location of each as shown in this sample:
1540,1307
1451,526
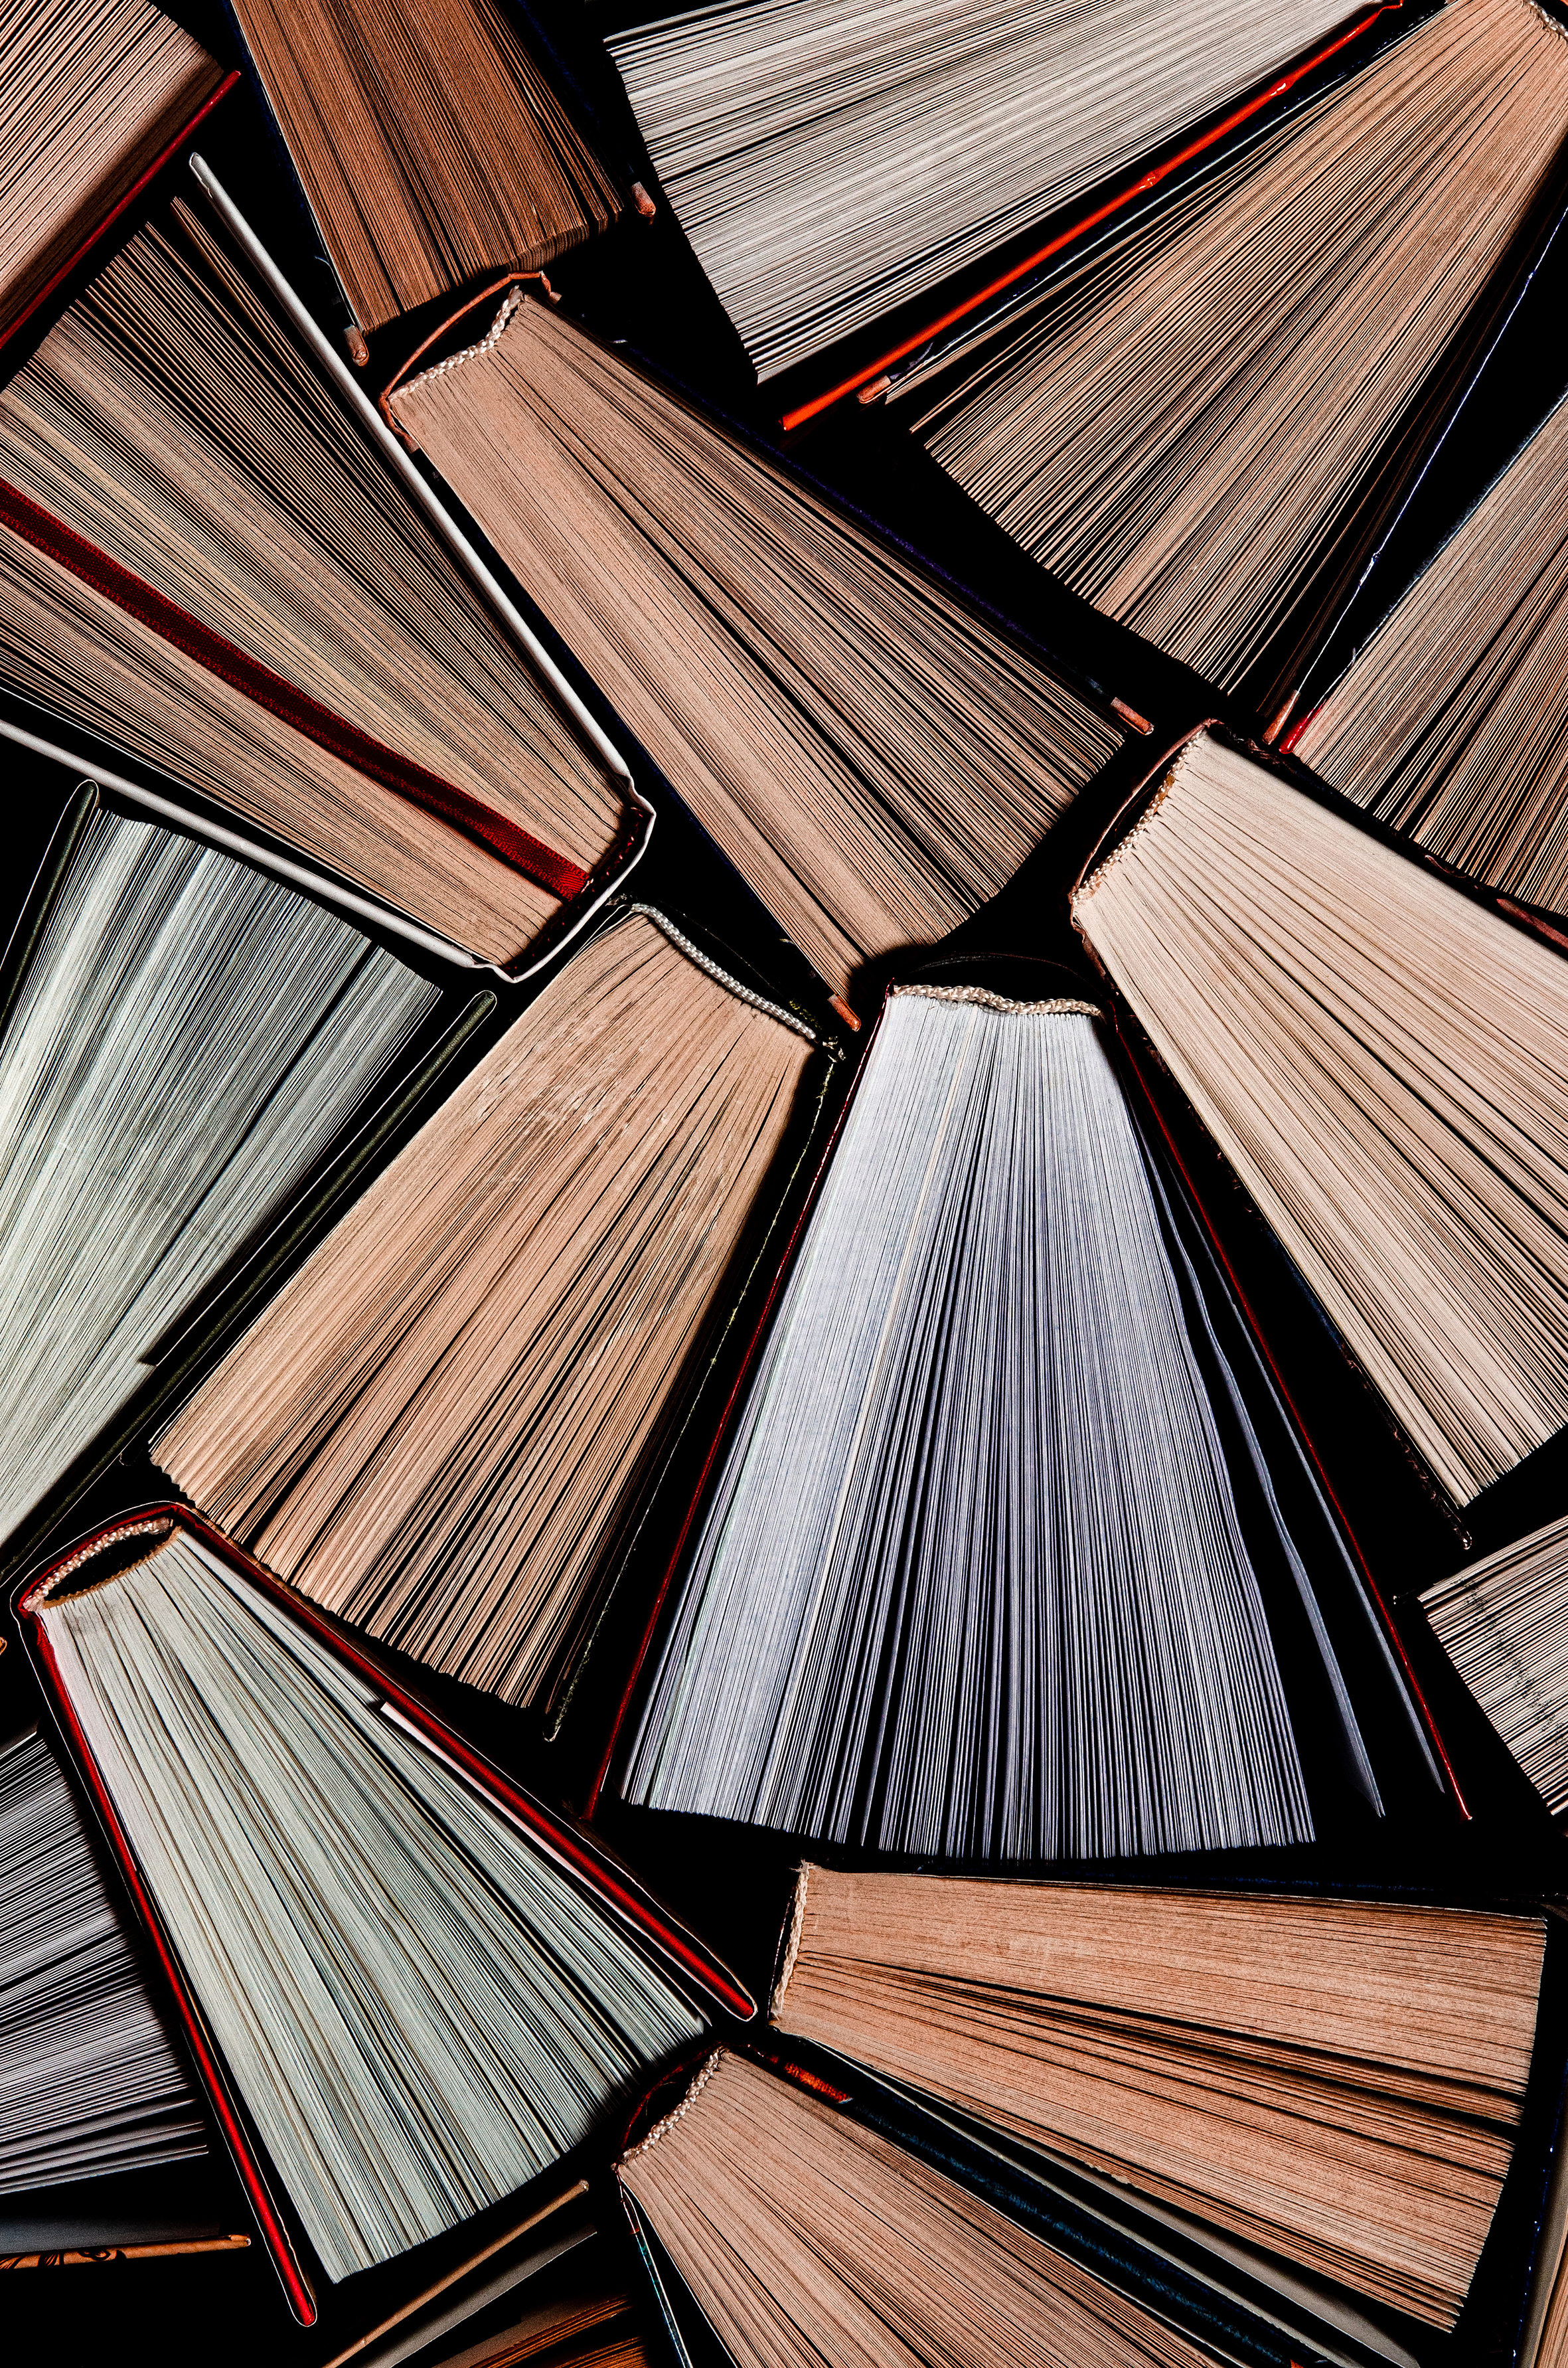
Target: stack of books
784,1183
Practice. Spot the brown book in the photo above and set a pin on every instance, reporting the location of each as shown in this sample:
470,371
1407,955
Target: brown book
1381,1056
440,1428
91,98
1335,2082
1176,424
804,2236
874,758
429,142
202,559
1452,723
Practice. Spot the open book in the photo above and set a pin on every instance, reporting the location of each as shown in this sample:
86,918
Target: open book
1175,422
201,558
1380,1055
442,1426
408,1989
1337,2082
995,1561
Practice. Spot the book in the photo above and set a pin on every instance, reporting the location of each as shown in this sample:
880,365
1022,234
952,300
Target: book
442,1426
93,98
409,1990
1502,1621
481,2289
1175,424
186,1038
1019,1585
432,144
801,2235
829,165
1338,2082
90,2084
872,753
1378,1055
586,2327
201,559
1451,723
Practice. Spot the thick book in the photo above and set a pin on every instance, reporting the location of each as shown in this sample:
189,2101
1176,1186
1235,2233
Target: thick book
926,1610
874,755
92,99
436,145
1376,1048
1451,722
311,1850
90,2086
186,1040
790,2209
202,557
446,1425
1336,2082
1179,419
830,166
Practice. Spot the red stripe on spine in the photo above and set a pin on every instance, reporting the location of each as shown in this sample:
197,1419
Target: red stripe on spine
518,848
73,260
558,1838
300,2298
1149,180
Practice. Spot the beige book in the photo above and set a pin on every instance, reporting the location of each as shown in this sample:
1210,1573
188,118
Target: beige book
1452,723
874,758
1333,2081
1384,1061
1175,434
1503,1621
440,1426
430,143
804,2237
168,429
90,97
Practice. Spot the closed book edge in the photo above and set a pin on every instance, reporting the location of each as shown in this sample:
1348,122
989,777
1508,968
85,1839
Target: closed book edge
1520,2251
1196,2291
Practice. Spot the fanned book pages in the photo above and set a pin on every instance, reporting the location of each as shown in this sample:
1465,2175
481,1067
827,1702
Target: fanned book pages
924,1610
873,757
90,97
828,163
581,2329
1336,2081
440,1426
417,2005
201,559
1173,427
804,2237
89,2081
1384,1061
1453,721
189,1038
430,143
1502,1621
